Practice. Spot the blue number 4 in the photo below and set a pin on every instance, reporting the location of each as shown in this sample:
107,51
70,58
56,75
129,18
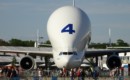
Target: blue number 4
68,28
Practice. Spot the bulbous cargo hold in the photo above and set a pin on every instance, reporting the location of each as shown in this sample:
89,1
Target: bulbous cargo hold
113,61
27,63
70,27
69,31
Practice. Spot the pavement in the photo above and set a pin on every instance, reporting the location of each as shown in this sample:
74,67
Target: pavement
67,78
86,78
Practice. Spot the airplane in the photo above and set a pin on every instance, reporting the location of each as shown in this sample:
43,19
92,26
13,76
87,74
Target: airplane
69,31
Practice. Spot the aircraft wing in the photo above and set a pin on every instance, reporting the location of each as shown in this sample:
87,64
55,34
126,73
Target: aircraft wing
101,52
45,51
27,50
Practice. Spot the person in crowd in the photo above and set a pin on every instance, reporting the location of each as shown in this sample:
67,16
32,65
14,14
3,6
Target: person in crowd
0,71
60,72
95,74
75,70
64,72
113,72
20,71
79,73
14,74
9,70
39,74
71,74
35,74
82,75
4,71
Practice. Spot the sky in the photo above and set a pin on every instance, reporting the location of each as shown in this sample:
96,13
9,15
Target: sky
22,18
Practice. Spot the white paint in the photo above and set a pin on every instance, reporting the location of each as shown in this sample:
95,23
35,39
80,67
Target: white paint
65,42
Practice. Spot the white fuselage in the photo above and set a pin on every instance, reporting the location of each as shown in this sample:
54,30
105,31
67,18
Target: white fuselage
69,31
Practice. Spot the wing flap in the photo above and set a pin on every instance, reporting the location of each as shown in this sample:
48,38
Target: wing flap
42,51
101,52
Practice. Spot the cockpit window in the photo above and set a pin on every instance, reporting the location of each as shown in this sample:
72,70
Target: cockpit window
68,53
64,53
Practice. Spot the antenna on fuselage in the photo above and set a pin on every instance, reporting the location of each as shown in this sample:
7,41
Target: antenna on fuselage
110,37
74,3
37,40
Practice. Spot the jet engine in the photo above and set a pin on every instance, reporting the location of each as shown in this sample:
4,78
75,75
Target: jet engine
113,61
27,63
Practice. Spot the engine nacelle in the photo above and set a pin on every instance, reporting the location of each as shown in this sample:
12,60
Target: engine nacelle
27,63
113,61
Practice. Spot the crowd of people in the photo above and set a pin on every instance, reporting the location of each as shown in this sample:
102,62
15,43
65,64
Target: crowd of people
9,73
77,73
15,73
80,73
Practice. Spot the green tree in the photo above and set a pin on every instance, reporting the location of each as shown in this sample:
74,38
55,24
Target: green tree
28,43
3,43
47,42
120,42
98,45
16,42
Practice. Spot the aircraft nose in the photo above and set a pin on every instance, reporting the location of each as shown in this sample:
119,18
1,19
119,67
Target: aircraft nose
66,61
69,62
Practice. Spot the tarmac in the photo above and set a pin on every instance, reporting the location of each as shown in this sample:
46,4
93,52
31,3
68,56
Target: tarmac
68,78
